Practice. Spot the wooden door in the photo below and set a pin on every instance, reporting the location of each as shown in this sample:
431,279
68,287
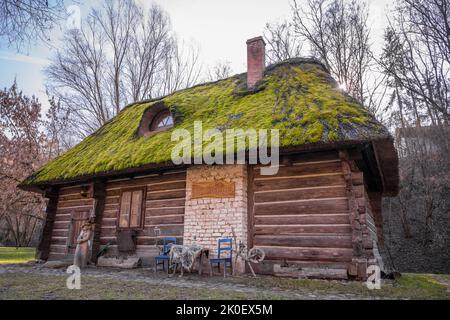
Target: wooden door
78,219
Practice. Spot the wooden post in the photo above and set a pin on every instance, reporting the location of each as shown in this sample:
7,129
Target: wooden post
99,195
43,248
376,204
357,206
250,204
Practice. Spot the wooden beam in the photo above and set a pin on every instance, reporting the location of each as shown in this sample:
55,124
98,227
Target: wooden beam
250,206
99,195
373,173
43,248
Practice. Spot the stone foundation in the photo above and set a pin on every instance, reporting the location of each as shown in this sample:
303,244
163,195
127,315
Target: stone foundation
208,219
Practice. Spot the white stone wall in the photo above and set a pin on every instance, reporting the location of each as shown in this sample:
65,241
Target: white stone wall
208,219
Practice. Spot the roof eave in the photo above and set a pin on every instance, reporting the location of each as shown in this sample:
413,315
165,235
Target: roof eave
384,159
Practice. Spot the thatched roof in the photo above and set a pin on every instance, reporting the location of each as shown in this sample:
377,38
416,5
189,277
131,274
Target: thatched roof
298,97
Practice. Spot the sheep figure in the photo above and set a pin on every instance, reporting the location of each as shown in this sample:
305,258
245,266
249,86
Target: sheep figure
184,256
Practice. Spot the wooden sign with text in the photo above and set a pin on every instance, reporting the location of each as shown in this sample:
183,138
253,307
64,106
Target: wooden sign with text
212,189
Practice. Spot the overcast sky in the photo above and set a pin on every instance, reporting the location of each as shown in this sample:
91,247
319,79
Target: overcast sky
220,28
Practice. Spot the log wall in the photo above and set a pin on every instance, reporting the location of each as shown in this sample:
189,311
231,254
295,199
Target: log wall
164,208
301,215
314,213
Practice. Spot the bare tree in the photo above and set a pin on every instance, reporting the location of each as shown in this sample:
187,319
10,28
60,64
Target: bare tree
120,55
56,123
282,43
417,57
146,54
415,61
182,68
221,70
78,78
25,21
117,19
336,33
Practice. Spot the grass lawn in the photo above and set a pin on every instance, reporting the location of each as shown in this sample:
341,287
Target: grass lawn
21,285
408,286
38,286
13,255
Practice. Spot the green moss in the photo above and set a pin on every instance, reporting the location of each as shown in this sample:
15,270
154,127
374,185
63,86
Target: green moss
298,99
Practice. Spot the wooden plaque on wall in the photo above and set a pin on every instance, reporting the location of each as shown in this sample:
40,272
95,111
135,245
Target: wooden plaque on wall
212,189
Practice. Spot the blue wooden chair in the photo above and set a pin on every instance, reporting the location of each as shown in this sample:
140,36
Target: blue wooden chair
224,255
164,255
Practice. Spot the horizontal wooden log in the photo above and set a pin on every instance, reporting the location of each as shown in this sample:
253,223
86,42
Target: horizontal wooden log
302,207
75,203
161,220
125,184
61,225
166,230
71,197
153,240
302,170
166,194
298,253
109,222
303,219
166,203
268,266
322,241
143,250
167,185
145,236
67,217
300,229
60,233
292,182
58,248
357,178
112,200
111,242
108,232
111,213
112,207
301,194
113,192
147,180
164,211
59,240
69,190
73,210
307,158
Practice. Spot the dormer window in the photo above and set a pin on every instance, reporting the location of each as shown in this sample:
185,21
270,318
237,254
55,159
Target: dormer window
163,120
155,119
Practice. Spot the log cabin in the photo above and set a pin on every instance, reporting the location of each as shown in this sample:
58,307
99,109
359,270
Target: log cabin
319,214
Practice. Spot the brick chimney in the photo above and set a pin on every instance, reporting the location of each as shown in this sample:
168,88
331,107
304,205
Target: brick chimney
256,57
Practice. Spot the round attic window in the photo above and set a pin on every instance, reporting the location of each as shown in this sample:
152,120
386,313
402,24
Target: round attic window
162,120
155,119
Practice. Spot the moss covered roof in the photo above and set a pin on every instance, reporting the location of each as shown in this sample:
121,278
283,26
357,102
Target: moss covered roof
298,97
